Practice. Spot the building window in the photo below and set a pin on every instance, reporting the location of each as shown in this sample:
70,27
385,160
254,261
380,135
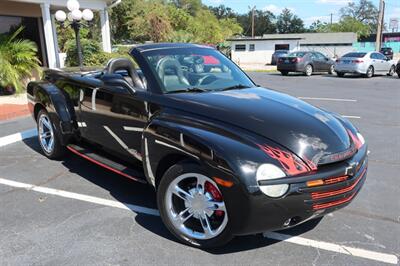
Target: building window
282,47
252,47
240,47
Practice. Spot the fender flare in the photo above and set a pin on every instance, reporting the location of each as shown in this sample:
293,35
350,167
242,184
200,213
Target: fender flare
56,104
217,153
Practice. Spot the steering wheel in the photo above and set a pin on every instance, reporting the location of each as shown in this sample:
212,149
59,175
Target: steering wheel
207,79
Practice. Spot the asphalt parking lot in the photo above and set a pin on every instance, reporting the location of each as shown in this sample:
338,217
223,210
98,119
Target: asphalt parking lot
72,212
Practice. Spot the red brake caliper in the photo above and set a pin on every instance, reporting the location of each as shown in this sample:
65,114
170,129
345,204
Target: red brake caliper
210,188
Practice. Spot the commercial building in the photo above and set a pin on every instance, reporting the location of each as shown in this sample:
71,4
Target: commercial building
259,50
37,16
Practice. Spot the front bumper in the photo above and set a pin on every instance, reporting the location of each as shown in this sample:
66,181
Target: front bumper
342,182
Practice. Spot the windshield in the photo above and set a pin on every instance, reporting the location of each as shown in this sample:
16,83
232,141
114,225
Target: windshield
355,55
194,70
297,54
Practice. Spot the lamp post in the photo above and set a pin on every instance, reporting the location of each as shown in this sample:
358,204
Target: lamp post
76,18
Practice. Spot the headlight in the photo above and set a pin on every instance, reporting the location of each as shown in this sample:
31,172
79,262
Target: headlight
269,172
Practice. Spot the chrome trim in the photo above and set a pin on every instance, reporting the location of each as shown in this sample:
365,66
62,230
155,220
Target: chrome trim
133,152
147,162
176,148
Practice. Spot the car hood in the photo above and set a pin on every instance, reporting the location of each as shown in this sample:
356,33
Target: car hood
309,132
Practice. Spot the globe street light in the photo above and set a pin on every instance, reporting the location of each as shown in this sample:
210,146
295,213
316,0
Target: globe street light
76,20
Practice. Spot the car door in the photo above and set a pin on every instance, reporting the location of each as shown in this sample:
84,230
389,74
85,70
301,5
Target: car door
324,61
386,63
114,117
314,61
377,62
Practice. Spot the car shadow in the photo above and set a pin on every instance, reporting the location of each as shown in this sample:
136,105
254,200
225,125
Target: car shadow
133,193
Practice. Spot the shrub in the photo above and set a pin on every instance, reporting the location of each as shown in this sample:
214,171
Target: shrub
17,60
92,54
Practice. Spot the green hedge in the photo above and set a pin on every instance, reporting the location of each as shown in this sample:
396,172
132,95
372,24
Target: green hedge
92,54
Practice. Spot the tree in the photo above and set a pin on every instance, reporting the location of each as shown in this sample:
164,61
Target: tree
192,6
289,23
170,20
17,60
318,26
149,21
365,12
264,22
347,24
222,11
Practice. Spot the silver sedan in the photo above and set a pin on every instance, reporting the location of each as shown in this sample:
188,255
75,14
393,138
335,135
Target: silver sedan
365,63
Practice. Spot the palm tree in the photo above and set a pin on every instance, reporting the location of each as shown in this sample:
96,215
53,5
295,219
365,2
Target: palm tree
17,60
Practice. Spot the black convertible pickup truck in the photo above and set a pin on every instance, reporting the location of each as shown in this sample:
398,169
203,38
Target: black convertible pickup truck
225,156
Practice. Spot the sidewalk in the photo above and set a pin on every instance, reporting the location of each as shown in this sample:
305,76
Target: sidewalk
13,106
258,67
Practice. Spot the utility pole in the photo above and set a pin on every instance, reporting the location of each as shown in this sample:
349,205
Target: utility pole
331,19
380,25
252,21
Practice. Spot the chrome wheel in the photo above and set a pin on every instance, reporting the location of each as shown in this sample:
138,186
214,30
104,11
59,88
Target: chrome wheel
46,133
332,70
309,70
392,70
195,206
370,72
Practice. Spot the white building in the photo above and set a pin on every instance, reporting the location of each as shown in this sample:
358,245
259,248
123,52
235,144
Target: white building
37,16
259,50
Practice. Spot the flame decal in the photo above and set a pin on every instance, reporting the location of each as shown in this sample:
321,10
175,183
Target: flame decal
291,164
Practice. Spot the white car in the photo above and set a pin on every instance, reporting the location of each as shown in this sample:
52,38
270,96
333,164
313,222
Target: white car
365,63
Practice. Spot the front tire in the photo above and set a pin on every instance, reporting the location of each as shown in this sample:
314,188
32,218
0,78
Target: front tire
192,207
392,71
308,70
340,74
48,138
285,73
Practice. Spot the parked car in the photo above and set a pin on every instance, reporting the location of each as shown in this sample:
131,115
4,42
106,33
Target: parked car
278,54
387,51
398,68
305,62
225,156
365,63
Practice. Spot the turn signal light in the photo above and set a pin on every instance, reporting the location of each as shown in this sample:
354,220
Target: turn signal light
314,183
223,182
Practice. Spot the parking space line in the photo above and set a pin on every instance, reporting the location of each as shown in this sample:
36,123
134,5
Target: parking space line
356,252
327,99
17,137
81,197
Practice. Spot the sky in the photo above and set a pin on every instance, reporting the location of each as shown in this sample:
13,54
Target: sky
308,10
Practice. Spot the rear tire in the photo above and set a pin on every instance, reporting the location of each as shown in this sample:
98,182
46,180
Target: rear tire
187,178
285,73
308,70
340,74
392,71
370,72
48,137
332,70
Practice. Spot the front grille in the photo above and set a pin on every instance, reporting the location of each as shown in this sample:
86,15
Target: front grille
335,191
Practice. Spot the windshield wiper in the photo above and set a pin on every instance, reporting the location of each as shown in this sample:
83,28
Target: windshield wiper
194,89
235,87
